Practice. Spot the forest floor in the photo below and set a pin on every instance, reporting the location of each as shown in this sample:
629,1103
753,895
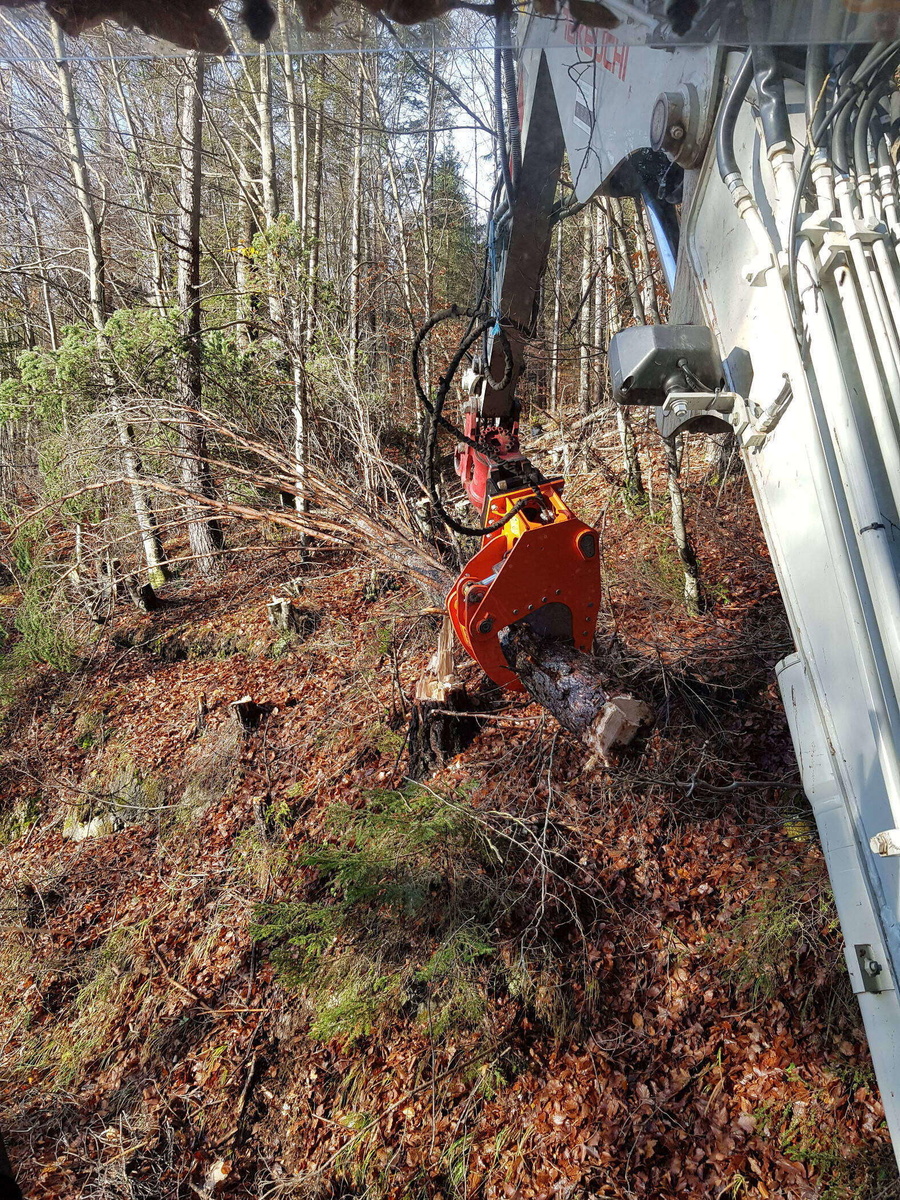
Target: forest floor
287,970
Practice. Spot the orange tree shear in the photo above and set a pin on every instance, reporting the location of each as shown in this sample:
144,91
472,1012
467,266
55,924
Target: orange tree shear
538,563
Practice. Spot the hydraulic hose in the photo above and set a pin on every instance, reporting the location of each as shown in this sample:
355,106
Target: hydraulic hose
773,112
851,83
893,115
725,157
499,117
479,323
840,150
816,70
512,103
861,130
878,131
848,93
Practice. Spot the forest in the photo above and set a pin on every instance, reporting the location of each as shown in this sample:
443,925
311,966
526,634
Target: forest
296,902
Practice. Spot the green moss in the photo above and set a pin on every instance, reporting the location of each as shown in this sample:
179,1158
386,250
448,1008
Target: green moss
409,920
794,918
846,1172
188,643
19,818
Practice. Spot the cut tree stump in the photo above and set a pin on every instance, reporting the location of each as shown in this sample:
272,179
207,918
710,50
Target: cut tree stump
247,713
439,726
142,595
286,617
110,585
570,685
282,615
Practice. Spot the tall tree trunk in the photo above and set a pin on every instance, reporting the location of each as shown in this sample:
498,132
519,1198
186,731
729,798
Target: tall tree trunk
305,161
617,218
356,211
298,293
37,234
692,593
397,201
648,276
314,205
269,180
82,181
245,272
266,143
142,175
584,321
295,140
634,485
600,308
153,552
428,256
556,332
204,532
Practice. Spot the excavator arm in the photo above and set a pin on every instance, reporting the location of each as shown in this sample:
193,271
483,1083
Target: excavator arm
538,563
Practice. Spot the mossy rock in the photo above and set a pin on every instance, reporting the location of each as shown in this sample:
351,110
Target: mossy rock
188,642
119,791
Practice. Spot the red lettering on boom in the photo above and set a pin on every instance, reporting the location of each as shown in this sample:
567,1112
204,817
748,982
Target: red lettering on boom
610,54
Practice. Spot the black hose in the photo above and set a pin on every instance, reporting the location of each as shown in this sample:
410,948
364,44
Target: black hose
816,70
725,157
840,141
773,112
499,117
449,314
894,115
431,448
880,133
848,92
512,104
436,414
861,130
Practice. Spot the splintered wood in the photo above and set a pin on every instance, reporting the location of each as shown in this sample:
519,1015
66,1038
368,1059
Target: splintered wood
439,680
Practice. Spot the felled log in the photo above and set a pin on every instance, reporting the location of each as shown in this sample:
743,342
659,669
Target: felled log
570,685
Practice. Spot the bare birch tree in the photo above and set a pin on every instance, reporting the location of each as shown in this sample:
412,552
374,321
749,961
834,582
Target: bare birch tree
153,552
204,530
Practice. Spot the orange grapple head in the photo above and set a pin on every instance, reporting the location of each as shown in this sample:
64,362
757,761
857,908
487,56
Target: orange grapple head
542,568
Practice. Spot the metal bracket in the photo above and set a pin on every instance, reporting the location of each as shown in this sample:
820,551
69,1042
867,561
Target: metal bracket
679,404
871,969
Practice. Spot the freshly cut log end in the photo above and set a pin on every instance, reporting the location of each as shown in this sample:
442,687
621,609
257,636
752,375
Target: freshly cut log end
570,685
621,719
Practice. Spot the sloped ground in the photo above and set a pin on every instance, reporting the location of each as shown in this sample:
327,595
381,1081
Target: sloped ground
287,971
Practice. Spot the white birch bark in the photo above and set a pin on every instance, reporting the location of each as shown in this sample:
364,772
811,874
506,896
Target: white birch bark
153,552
